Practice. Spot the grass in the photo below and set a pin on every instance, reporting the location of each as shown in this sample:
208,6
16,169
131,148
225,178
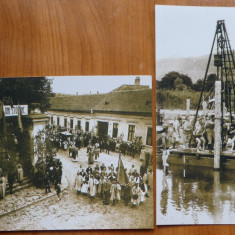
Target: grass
175,99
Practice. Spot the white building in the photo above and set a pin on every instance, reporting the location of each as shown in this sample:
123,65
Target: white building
124,112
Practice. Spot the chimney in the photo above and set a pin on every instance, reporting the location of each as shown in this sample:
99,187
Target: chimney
137,81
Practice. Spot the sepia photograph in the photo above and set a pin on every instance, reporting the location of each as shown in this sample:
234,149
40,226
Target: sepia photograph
76,153
195,105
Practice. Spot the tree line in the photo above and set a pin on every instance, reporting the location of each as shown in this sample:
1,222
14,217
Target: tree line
16,144
25,90
176,81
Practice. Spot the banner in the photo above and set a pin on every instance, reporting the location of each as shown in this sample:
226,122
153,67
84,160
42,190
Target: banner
121,175
13,111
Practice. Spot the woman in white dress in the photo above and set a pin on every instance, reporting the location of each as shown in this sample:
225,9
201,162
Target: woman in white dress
2,187
78,182
84,189
115,192
92,186
20,173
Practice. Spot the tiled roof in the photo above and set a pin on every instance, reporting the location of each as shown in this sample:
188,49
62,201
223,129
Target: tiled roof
132,101
138,101
82,103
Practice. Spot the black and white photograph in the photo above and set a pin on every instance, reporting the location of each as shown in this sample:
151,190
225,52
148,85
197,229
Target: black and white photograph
76,153
195,105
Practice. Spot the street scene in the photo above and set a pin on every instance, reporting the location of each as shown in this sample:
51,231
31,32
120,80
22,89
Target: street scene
80,161
195,115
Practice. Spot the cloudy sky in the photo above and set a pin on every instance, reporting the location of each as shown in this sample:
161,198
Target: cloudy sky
183,31
92,84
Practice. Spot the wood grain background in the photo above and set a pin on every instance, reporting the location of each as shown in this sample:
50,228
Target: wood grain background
87,37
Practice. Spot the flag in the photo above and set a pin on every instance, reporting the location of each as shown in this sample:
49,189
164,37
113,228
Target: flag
19,119
122,175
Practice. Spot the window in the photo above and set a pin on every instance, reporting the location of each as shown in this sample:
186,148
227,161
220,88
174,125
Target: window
51,120
131,132
58,121
65,122
115,130
79,125
87,127
149,139
71,123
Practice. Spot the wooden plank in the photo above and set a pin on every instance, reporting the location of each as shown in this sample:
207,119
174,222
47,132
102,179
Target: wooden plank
203,153
87,37
76,37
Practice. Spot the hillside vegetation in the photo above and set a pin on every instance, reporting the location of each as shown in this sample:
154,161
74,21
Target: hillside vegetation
174,88
173,99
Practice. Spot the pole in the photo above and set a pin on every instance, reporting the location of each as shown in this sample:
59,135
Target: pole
217,131
203,85
188,107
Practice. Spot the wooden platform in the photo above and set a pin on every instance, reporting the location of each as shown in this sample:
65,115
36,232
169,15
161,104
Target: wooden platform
192,152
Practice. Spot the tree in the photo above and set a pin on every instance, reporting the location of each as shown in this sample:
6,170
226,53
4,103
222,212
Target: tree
26,91
45,152
210,81
197,86
21,91
168,80
179,85
158,85
186,80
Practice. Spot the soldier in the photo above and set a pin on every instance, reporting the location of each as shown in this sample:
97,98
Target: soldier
187,127
209,125
164,137
199,133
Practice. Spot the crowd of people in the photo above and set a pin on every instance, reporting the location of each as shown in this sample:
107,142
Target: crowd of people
9,180
102,182
97,181
49,174
80,139
179,132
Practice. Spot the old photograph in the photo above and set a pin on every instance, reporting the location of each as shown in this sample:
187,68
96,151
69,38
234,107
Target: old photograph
195,98
76,153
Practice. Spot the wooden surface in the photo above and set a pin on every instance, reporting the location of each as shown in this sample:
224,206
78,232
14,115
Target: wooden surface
87,37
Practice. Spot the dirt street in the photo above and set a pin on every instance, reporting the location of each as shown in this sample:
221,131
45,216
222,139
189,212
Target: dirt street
79,212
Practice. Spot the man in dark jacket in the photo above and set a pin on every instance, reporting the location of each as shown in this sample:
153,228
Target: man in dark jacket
143,169
106,188
11,180
127,194
47,183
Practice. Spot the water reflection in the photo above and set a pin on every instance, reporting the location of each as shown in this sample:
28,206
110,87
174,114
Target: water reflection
195,195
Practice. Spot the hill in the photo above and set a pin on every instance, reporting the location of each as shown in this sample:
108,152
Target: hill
194,67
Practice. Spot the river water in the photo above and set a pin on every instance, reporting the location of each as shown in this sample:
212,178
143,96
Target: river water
195,195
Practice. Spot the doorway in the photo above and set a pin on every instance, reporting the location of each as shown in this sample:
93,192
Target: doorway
103,129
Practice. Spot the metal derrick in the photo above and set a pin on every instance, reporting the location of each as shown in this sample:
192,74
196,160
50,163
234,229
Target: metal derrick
224,62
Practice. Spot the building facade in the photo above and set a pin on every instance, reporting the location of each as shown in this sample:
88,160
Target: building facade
125,113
